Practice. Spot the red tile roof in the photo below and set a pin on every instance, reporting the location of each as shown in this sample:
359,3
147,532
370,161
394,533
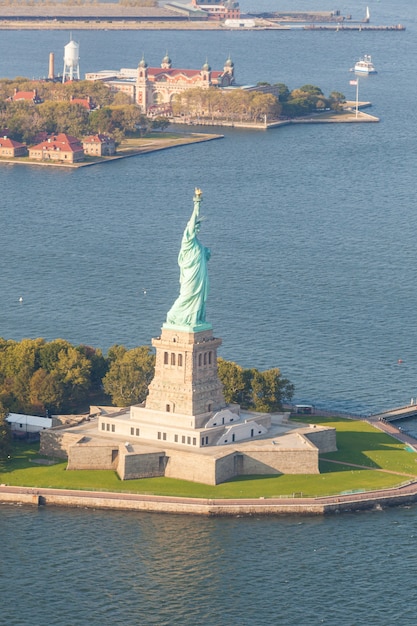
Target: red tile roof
158,72
5,142
85,102
62,142
99,138
29,96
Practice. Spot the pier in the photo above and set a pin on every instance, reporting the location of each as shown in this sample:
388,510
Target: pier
400,413
351,27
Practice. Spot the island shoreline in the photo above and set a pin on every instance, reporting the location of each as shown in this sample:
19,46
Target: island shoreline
348,116
328,505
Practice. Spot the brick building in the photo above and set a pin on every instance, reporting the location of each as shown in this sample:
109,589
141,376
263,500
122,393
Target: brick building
27,96
151,87
11,148
61,147
99,145
218,9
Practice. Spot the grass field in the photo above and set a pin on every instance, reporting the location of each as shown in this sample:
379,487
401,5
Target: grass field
385,462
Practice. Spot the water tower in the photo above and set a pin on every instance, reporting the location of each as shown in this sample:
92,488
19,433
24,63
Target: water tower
71,61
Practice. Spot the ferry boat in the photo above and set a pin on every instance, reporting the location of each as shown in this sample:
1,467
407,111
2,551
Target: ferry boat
364,66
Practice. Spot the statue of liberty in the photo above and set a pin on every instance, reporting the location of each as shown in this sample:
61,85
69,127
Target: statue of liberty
189,309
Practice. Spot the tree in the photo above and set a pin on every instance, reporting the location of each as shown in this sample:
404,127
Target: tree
269,390
5,435
336,100
283,91
160,123
232,378
312,90
46,392
72,370
18,362
252,389
337,96
129,375
101,121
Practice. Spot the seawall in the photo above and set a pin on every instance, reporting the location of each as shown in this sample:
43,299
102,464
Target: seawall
403,495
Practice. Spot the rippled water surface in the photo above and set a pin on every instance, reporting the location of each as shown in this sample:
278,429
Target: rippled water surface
88,567
312,228
314,256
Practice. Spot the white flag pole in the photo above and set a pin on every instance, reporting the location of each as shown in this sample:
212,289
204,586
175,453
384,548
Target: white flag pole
357,95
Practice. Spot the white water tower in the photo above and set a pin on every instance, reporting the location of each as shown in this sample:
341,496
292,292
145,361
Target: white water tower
71,61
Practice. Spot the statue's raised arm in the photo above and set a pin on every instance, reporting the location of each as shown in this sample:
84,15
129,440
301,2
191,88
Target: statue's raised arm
193,225
189,309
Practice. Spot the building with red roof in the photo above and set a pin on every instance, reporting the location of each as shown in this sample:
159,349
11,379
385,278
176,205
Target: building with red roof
60,147
151,87
11,148
99,145
27,96
218,9
87,103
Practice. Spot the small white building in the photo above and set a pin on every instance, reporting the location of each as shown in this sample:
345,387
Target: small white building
27,425
240,23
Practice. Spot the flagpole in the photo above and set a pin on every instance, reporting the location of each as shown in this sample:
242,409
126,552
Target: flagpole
357,95
356,83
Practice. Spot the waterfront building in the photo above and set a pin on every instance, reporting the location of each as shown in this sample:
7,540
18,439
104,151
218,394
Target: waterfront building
185,429
153,88
206,9
11,148
99,145
60,147
218,9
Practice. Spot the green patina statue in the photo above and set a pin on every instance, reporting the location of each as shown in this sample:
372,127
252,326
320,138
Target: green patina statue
189,309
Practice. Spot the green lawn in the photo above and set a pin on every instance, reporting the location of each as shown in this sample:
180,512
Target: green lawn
358,443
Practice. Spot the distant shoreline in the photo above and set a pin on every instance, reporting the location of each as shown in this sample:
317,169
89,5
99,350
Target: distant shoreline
107,23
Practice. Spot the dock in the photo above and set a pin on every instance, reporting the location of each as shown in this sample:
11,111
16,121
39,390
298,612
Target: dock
351,27
399,413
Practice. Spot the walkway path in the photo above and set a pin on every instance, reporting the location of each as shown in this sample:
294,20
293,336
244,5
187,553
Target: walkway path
405,494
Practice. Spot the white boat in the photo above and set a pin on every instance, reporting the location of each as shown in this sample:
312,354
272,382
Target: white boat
364,66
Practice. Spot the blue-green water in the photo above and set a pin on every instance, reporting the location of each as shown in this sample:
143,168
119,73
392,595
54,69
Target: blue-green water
313,238
312,228
67,567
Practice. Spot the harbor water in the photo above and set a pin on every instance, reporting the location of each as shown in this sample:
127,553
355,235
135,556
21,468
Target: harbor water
312,230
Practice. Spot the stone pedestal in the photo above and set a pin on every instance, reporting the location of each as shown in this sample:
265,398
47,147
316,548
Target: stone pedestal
186,380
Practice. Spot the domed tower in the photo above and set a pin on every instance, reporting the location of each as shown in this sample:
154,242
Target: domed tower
206,72
166,62
228,77
141,85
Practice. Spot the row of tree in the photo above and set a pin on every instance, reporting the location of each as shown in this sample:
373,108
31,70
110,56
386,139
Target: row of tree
38,376
114,114
253,105
236,104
